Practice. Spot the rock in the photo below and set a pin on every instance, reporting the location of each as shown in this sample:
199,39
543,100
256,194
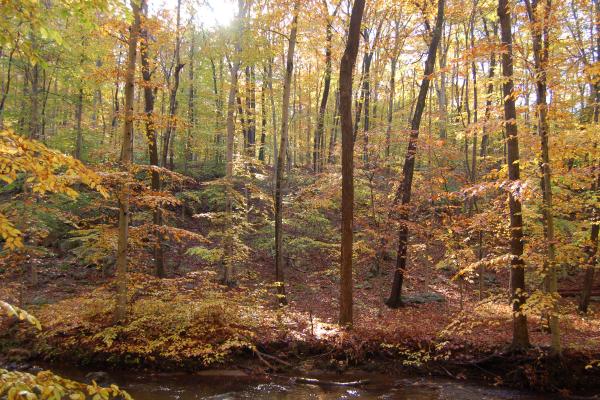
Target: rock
423,298
34,369
98,377
18,354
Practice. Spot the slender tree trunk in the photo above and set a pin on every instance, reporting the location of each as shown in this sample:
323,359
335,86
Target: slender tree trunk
592,249
334,129
390,116
78,117
287,83
345,82
442,95
150,125
405,187
517,272
273,117
191,100
540,39
6,85
228,267
126,160
489,93
317,157
168,138
263,122
250,111
34,128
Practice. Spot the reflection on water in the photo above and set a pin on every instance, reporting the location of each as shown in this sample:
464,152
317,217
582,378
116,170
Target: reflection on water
232,386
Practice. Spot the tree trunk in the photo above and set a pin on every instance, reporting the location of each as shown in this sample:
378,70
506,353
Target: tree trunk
405,188
263,122
250,112
228,267
540,39
191,117
517,272
317,157
345,82
490,91
334,129
592,249
6,85
168,138
279,276
34,128
149,99
126,160
78,117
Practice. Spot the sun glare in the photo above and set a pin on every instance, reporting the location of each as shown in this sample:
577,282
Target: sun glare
210,13
216,13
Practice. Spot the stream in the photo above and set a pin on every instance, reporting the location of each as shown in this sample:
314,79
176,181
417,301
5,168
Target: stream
226,385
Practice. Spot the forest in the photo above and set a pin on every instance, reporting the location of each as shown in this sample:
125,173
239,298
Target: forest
338,192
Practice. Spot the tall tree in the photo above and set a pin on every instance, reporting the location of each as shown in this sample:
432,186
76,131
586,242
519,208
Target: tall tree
592,248
150,125
168,137
539,17
287,83
317,157
126,160
517,271
405,187
234,67
345,105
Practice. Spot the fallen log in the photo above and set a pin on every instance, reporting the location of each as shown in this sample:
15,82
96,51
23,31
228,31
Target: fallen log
313,381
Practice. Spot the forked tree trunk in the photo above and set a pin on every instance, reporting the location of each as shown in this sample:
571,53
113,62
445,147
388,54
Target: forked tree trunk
405,187
345,82
279,276
517,272
126,160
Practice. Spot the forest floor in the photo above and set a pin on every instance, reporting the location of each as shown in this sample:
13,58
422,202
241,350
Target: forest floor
188,321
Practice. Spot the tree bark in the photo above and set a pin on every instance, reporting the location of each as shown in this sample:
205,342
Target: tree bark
191,100
345,82
540,39
405,188
228,267
126,160
317,157
78,117
168,138
263,114
149,100
517,273
279,275
592,249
